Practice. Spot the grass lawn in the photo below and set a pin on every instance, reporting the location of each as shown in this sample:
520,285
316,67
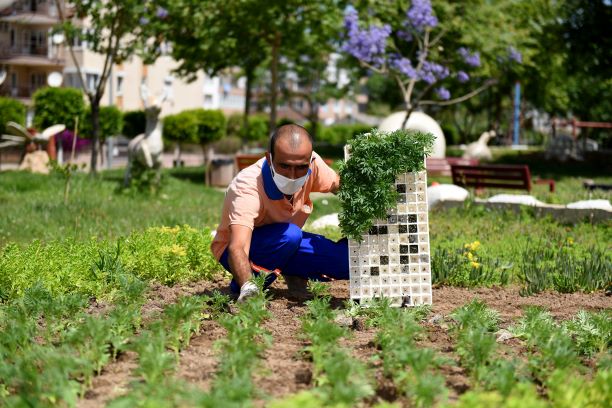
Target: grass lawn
32,206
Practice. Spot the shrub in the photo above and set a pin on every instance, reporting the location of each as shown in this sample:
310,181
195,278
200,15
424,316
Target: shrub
234,124
11,110
211,125
258,130
134,123
181,127
228,145
58,105
111,122
341,134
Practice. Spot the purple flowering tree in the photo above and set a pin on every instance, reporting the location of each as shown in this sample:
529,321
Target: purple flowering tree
411,50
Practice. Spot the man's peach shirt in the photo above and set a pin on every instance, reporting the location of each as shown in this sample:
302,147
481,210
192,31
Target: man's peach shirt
252,199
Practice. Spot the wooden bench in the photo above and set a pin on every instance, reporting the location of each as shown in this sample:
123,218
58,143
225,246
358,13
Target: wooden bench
496,176
441,166
245,160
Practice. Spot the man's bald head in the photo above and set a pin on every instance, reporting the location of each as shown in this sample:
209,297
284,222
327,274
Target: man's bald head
294,135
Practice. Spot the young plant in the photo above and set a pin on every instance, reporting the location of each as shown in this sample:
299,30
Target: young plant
367,191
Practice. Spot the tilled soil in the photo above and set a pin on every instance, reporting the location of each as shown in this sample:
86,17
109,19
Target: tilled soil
284,371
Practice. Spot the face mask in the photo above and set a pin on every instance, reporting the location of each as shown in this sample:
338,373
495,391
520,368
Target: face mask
286,185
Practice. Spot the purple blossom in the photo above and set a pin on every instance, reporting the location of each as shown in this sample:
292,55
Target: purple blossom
515,55
462,76
367,45
431,72
403,65
404,35
421,15
470,58
143,21
443,93
161,12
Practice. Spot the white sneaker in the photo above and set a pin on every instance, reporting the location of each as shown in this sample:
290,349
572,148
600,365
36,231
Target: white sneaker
248,290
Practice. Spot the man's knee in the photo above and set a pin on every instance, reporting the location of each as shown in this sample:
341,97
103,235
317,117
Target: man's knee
292,236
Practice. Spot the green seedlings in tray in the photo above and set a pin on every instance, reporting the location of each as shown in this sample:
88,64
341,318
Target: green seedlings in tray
368,176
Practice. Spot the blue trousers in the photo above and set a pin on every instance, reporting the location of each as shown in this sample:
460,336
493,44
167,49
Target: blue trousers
295,252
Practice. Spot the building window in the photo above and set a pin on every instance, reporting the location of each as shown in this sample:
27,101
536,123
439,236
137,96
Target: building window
92,81
119,85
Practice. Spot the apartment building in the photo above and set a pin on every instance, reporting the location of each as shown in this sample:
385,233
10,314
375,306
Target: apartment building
29,53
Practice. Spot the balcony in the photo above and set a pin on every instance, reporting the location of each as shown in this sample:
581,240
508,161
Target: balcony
18,92
28,53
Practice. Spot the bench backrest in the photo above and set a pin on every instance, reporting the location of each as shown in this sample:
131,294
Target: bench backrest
441,166
496,176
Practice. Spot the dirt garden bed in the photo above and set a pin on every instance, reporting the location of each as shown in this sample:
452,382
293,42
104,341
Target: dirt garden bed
284,370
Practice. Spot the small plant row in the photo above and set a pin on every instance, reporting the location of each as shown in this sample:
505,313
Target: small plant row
467,267
52,348
158,350
340,380
548,268
166,255
238,355
553,361
541,267
411,368
475,327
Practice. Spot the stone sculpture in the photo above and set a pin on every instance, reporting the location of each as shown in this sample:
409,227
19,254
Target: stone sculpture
479,149
146,149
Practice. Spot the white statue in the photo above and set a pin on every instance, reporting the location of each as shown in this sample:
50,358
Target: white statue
421,122
479,149
146,149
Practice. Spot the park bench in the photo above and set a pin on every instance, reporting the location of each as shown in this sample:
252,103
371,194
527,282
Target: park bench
441,166
496,176
245,160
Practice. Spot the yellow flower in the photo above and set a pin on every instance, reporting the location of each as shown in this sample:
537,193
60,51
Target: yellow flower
475,245
470,256
475,265
178,250
570,240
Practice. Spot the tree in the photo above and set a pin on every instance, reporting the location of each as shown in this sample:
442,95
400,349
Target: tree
116,29
408,42
313,59
54,106
245,33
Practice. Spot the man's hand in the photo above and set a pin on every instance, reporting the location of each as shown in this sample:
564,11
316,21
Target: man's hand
238,253
249,289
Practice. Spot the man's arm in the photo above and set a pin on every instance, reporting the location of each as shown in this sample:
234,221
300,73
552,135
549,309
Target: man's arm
238,253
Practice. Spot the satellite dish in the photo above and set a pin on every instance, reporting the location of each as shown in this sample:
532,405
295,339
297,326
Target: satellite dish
2,75
55,79
52,131
57,38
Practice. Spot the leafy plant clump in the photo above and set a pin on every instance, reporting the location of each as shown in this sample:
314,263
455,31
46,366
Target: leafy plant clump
376,158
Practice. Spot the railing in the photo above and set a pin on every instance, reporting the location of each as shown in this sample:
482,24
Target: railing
23,49
17,92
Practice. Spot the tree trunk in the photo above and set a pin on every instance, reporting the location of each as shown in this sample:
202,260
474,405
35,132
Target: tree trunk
274,73
313,118
95,118
249,91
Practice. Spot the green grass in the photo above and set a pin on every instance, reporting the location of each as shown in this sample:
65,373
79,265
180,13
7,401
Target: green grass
31,206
